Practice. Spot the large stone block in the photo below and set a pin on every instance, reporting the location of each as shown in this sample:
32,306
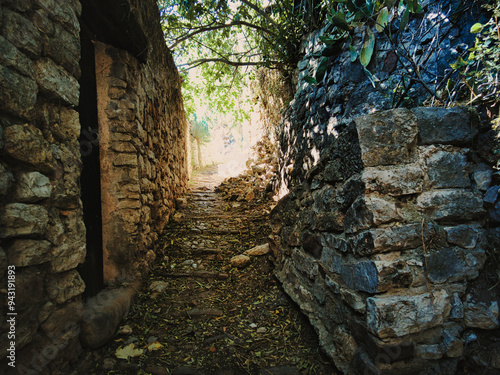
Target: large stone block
447,169
444,126
32,187
64,49
26,143
18,92
64,286
454,264
400,315
370,210
23,253
63,12
67,256
394,180
22,33
19,219
63,319
450,204
12,58
57,82
388,137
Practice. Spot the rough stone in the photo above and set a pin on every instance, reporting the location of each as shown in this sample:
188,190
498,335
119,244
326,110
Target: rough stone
240,261
449,204
12,58
21,219
444,126
64,286
18,93
491,194
6,180
399,315
428,351
158,286
370,210
64,49
26,143
54,81
23,253
103,314
387,138
482,178
70,314
63,12
465,236
258,250
22,33
67,256
32,187
447,170
480,314
394,180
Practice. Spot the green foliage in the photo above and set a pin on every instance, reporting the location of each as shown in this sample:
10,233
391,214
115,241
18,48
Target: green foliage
481,68
199,130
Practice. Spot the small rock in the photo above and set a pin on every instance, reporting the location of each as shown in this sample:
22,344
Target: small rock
240,261
125,330
178,217
491,195
158,286
253,325
258,250
250,196
261,330
188,262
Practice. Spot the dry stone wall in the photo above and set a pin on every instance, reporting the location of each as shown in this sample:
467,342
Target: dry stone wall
42,231
384,245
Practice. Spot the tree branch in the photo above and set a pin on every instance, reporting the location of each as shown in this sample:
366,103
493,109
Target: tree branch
217,27
198,62
260,11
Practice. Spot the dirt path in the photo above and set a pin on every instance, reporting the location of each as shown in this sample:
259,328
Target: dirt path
198,315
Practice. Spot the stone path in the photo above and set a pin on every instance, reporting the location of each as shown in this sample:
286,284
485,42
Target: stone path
197,314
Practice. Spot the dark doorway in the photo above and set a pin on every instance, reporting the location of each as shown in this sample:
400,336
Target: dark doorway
92,270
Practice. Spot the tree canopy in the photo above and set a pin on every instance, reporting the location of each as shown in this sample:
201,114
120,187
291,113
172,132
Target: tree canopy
216,43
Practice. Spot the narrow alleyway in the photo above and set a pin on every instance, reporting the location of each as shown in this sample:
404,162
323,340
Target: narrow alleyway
198,314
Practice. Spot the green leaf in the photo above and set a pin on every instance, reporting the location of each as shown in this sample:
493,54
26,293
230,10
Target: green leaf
382,19
370,76
367,47
370,6
310,80
327,40
353,52
338,19
404,20
476,28
321,69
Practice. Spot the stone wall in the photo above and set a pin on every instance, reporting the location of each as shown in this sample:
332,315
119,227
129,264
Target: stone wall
42,231
320,111
384,245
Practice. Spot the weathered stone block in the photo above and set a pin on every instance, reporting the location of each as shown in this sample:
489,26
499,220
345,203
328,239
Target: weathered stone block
394,180
429,351
70,315
64,49
6,180
450,204
21,219
32,187
63,12
392,272
26,143
57,82
67,256
22,33
388,137
370,210
64,286
465,236
126,160
399,315
481,311
482,177
360,276
491,194
444,126
447,169
18,92
11,57
23,253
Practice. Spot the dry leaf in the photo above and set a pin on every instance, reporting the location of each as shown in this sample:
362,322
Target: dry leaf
154,346
128,351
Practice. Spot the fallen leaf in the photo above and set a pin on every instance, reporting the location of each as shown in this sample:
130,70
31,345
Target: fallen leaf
154,346
212,349
128,351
